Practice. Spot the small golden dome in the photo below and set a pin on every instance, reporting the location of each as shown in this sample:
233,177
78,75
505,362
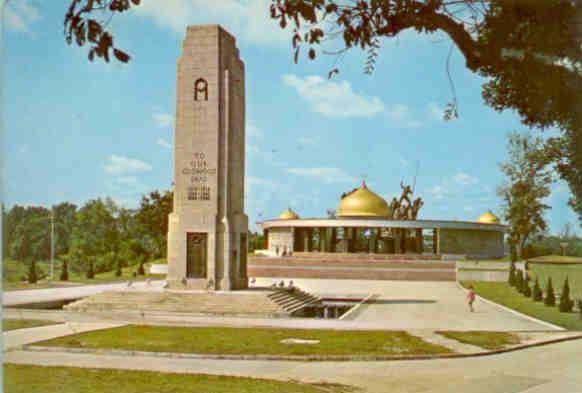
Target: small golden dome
288,214
488,218
362,203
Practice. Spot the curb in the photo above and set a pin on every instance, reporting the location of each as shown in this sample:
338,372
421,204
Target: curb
299,358
533,319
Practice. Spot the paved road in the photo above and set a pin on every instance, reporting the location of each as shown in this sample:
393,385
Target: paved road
27,296
554,368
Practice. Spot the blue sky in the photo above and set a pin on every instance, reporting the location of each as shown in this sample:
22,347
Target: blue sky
74,130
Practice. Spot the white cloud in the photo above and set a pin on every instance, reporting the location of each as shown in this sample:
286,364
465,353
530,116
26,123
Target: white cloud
465,179
19,15
333,99
119,164
253,131
163,119
247,20
164,143
435,111
402,116
326,174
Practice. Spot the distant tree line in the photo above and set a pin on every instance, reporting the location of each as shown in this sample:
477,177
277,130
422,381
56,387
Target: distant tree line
96,237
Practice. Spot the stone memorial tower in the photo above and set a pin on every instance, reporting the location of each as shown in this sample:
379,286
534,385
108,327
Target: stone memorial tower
207,232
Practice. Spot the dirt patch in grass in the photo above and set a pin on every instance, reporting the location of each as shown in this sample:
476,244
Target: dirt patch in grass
486,340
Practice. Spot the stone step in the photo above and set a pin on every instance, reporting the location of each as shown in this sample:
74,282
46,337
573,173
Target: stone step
257,304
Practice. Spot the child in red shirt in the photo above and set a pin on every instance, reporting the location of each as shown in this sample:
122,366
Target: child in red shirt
471,298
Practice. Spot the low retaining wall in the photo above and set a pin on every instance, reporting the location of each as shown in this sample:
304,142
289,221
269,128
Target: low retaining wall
158,268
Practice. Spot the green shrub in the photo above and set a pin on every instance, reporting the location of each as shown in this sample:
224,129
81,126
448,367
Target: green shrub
550,299
32,273
90,274
566,304
526,288
579,303
64,272
118,271
537,292
519,280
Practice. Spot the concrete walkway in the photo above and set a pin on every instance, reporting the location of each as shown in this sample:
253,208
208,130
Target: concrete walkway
554,368
28,296
16,338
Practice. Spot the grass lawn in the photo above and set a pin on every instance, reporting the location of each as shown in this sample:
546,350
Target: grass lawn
558,274
36,379
249,341
486,340
556,259
13,324
502,293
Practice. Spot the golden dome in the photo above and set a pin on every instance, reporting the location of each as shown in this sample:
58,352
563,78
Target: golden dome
488,218
288,215
362,203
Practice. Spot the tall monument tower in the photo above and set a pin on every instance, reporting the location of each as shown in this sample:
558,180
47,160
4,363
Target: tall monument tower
207,233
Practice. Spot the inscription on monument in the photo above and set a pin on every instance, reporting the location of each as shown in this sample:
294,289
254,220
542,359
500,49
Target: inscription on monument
199,190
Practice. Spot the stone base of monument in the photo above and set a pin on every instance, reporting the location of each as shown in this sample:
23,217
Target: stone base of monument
258,302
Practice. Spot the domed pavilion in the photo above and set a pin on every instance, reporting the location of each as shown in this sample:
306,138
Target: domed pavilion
366,223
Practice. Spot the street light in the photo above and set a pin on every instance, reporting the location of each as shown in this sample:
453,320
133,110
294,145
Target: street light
52,242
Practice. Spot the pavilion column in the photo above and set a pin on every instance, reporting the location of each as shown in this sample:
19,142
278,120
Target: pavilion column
346,240
333,239
322,239
419,242
309,239
435,241
293,234
266,235
377,240
403,233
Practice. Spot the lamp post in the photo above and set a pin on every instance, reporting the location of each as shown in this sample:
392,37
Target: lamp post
52,242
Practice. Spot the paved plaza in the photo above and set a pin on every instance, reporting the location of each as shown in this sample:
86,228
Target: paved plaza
419,305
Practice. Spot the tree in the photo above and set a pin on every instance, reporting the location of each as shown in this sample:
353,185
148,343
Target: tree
537,291
526,289
64,271
118,271
528,51
550,299
64,216
566,303
153,218
32,276
528,183
90,274
519,281
95,234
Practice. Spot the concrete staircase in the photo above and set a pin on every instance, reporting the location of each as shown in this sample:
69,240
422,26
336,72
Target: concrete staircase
259,303
293,300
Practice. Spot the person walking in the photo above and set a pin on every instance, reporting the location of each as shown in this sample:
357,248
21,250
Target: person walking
471,298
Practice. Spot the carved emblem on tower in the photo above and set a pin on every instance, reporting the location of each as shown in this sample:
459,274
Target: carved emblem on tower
200,87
